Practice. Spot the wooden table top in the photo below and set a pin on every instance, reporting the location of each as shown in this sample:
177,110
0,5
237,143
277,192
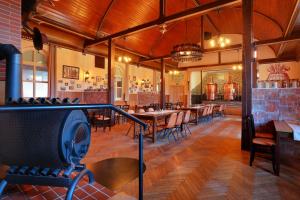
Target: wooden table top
193,108
155,113
283,128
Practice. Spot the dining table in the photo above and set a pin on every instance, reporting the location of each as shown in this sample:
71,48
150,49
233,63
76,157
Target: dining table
286,140
153,117
196,110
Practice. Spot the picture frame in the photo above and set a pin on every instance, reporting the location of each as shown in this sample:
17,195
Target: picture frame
71,72
98,78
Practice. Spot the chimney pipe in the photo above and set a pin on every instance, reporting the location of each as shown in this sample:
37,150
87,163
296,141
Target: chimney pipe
13,71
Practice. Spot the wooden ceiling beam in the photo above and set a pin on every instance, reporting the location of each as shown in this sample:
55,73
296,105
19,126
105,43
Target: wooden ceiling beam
205,51
277,41
276,60
43,20
101,22
203,9
212,65
290,26
213,24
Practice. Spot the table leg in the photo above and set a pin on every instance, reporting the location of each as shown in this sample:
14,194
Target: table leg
197,117
154,130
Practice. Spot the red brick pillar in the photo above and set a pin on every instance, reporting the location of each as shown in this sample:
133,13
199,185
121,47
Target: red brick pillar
10,33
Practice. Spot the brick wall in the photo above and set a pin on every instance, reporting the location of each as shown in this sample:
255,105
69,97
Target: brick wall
275,104
10,32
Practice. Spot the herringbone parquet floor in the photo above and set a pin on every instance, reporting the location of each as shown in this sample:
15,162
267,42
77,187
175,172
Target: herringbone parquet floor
209,164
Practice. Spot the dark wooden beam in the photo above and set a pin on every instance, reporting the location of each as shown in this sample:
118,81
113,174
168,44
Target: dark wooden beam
293,38
202,33
290,26
111,58
212,50
162,8
247,8
162,84
277,60
211,65
200,10
228,48
213,24
101,21
50,22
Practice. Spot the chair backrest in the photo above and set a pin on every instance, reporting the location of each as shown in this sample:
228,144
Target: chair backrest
178,107
251,126
211,107
205,111
130,111
221,108
187,117
125,107
179,118
172,120
150,110
141,110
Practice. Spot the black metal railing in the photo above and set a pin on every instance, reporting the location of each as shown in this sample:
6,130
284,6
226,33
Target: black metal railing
143,126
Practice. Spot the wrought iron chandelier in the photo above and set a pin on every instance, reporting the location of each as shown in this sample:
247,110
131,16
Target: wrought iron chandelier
186,52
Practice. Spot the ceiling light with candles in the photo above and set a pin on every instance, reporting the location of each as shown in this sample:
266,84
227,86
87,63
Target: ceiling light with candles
124,59
238,66
219,41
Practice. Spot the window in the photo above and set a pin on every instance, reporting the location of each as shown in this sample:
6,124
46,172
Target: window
34,74
118,88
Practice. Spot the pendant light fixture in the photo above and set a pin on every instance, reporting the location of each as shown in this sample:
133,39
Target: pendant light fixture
186,52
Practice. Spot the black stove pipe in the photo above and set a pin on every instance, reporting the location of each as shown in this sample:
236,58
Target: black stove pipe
13,82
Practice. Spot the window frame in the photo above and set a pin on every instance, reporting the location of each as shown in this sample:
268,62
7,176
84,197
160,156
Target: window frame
34,64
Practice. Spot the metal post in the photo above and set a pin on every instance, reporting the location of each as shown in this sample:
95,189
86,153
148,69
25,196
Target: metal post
141,163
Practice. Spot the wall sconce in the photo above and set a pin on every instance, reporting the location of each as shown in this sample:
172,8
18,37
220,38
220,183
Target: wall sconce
86,76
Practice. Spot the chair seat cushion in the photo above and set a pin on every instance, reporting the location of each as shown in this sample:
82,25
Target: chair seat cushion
264,135
264,141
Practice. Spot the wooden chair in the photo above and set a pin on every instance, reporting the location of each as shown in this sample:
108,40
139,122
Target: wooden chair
131,123
178,123
261,134
103,119
168,129
257,143
186,121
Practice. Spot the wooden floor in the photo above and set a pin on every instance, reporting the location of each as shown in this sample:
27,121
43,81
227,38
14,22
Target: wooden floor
207,165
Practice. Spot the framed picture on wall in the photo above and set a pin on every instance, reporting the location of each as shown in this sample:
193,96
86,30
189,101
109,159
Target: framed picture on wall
71,72
98,78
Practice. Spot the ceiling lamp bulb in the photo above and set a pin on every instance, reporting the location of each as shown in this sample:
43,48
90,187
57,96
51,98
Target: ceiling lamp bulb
227,41
212,43
120,59
171,72
222,44
240,67
221,39
181,52
234,67
188,53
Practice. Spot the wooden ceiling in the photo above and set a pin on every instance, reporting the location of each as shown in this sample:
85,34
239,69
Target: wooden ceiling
93,19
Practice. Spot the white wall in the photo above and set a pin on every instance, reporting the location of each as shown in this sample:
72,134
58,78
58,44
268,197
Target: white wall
85,63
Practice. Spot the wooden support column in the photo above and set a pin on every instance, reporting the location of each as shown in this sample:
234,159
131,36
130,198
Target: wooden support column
110,72
247,72
126,83
52,70
162,84
201,85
